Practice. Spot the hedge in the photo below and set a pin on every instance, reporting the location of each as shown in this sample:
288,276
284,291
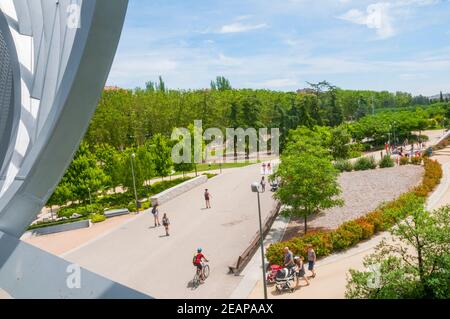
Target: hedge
353,232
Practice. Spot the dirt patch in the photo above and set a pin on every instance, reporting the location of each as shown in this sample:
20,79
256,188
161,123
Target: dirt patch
362,192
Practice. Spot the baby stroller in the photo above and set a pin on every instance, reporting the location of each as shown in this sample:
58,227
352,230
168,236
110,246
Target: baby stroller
283,280
274,186
272,273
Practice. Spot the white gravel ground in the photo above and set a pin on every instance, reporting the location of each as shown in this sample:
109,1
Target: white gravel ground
363,192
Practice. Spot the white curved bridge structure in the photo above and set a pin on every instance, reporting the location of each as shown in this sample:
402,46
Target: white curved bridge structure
55,56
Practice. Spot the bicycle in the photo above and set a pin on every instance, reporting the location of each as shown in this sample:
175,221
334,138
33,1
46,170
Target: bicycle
197,278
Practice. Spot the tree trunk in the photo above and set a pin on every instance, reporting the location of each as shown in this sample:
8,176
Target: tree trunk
306,225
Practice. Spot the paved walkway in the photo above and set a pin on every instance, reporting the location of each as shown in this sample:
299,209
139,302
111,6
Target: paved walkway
139,256
331,280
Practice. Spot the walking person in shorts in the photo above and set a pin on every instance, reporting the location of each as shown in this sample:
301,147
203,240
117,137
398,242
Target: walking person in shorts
300,272
263,184
207,199
312,259
155,213
166,224
289,262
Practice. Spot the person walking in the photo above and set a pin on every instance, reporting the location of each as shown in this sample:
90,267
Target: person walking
300,271
155,213
166,224
288,258
207,199
269,168
263,184
312,259
264,168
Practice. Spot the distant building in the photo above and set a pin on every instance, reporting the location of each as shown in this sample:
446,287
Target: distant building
305,91
112,88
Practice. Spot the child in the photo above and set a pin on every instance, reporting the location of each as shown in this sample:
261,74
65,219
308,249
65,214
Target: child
166,224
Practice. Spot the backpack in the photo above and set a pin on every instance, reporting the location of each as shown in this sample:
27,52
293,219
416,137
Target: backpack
194,260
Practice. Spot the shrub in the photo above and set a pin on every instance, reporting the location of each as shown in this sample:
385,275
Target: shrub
132,207
347,235
404,160
416,160
376,219
82,210
321,241
356,150
365,163
368,229
344,166
343,239
387,162
98,218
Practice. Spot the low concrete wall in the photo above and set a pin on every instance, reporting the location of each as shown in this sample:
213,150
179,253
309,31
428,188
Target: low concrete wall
58,228
116,212
176,191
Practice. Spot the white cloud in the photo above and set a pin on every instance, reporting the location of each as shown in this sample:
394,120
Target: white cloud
241,27
382,15
377,16
228,61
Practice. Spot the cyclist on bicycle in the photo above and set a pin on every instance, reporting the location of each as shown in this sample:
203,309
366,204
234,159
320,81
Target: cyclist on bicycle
197,261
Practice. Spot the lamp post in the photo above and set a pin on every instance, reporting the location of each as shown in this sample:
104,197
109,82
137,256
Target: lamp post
393,132
256,188
133,156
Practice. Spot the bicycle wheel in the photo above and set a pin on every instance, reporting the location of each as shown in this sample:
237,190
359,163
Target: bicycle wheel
206,271
196,281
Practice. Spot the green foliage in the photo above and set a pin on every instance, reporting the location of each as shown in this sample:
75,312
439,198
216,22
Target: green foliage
83,177
416,160
365,163
82,210
421,272
97,218
344,166
387,162
221,84
161,155
309,177
340,143
404,160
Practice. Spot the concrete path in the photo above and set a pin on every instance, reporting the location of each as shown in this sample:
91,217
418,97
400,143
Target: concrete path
139,256
331,280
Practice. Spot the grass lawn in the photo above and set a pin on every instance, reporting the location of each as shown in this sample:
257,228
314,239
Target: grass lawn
207,167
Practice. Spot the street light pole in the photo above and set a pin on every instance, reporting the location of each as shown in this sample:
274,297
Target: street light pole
256,189
134,180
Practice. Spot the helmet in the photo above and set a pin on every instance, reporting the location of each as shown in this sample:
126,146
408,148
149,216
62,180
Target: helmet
199,250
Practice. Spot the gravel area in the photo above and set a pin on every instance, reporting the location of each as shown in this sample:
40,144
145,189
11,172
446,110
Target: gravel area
362,192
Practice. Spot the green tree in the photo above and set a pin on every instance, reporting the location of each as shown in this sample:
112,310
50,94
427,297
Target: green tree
85,176
415,265
161,154
340,143
221,84
309,184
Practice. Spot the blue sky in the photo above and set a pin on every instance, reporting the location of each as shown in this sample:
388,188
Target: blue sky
280,44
